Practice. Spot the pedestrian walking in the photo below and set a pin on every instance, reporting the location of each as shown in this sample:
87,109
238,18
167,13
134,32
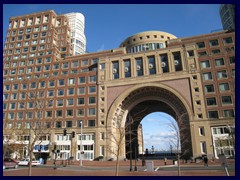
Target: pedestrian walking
205,159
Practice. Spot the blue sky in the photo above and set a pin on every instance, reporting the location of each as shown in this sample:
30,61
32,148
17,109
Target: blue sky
107,25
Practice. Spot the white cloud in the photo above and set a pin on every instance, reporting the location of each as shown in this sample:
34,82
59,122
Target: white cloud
101,48
157,131
150,119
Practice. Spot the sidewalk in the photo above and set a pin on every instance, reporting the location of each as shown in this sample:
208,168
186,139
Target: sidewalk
107,168
138,163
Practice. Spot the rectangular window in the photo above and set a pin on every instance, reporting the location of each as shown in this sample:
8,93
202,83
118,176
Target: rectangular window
209,88
80,101
5,96
52,83
177,61
69,112
92,89
80,112
213,114
70,102
68,124
151,65
92,79
84,63
213,42
70,91
92,100
228,40
61,82
115,66
48,60
127,68
75,64
80,123
190,53
233,73
65,65
222,74
20,115
82,80
201,45
139,67
232,60
12,106
91,111
91,123
215,51
211,101
219,62
60,102
11,115
60,92
101,151
226,100
71,81
205,64
201,131
102,66
81,90
29,115
229,113
102,136
50,93
48,114
224,87
203,147
207,76
164,63
56,66
59,113
58,124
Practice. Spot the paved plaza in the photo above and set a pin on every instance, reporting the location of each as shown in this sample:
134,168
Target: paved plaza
107,168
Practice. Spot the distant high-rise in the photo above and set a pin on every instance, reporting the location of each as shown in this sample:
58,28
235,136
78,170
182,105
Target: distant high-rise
78,39
227,13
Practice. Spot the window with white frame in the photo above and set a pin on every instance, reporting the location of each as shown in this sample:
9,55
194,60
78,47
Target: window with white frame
71,81
224,87
219,62
201,131
203,147
207,76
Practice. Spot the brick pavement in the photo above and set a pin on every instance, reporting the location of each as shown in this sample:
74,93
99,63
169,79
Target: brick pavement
70,172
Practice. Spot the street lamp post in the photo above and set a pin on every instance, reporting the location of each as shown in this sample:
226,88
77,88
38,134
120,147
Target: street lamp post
135,168
81,146
130,145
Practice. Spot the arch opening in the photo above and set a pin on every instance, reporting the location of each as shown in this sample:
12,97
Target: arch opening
146,100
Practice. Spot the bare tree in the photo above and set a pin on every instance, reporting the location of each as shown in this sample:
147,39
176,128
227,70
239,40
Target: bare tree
9,145
179,139
117,137
34,127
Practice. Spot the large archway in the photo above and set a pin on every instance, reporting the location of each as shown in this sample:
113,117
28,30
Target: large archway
134,104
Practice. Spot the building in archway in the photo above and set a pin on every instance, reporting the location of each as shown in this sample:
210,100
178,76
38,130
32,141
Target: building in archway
192,79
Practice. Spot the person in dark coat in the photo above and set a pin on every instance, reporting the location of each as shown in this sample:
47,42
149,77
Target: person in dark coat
205,159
